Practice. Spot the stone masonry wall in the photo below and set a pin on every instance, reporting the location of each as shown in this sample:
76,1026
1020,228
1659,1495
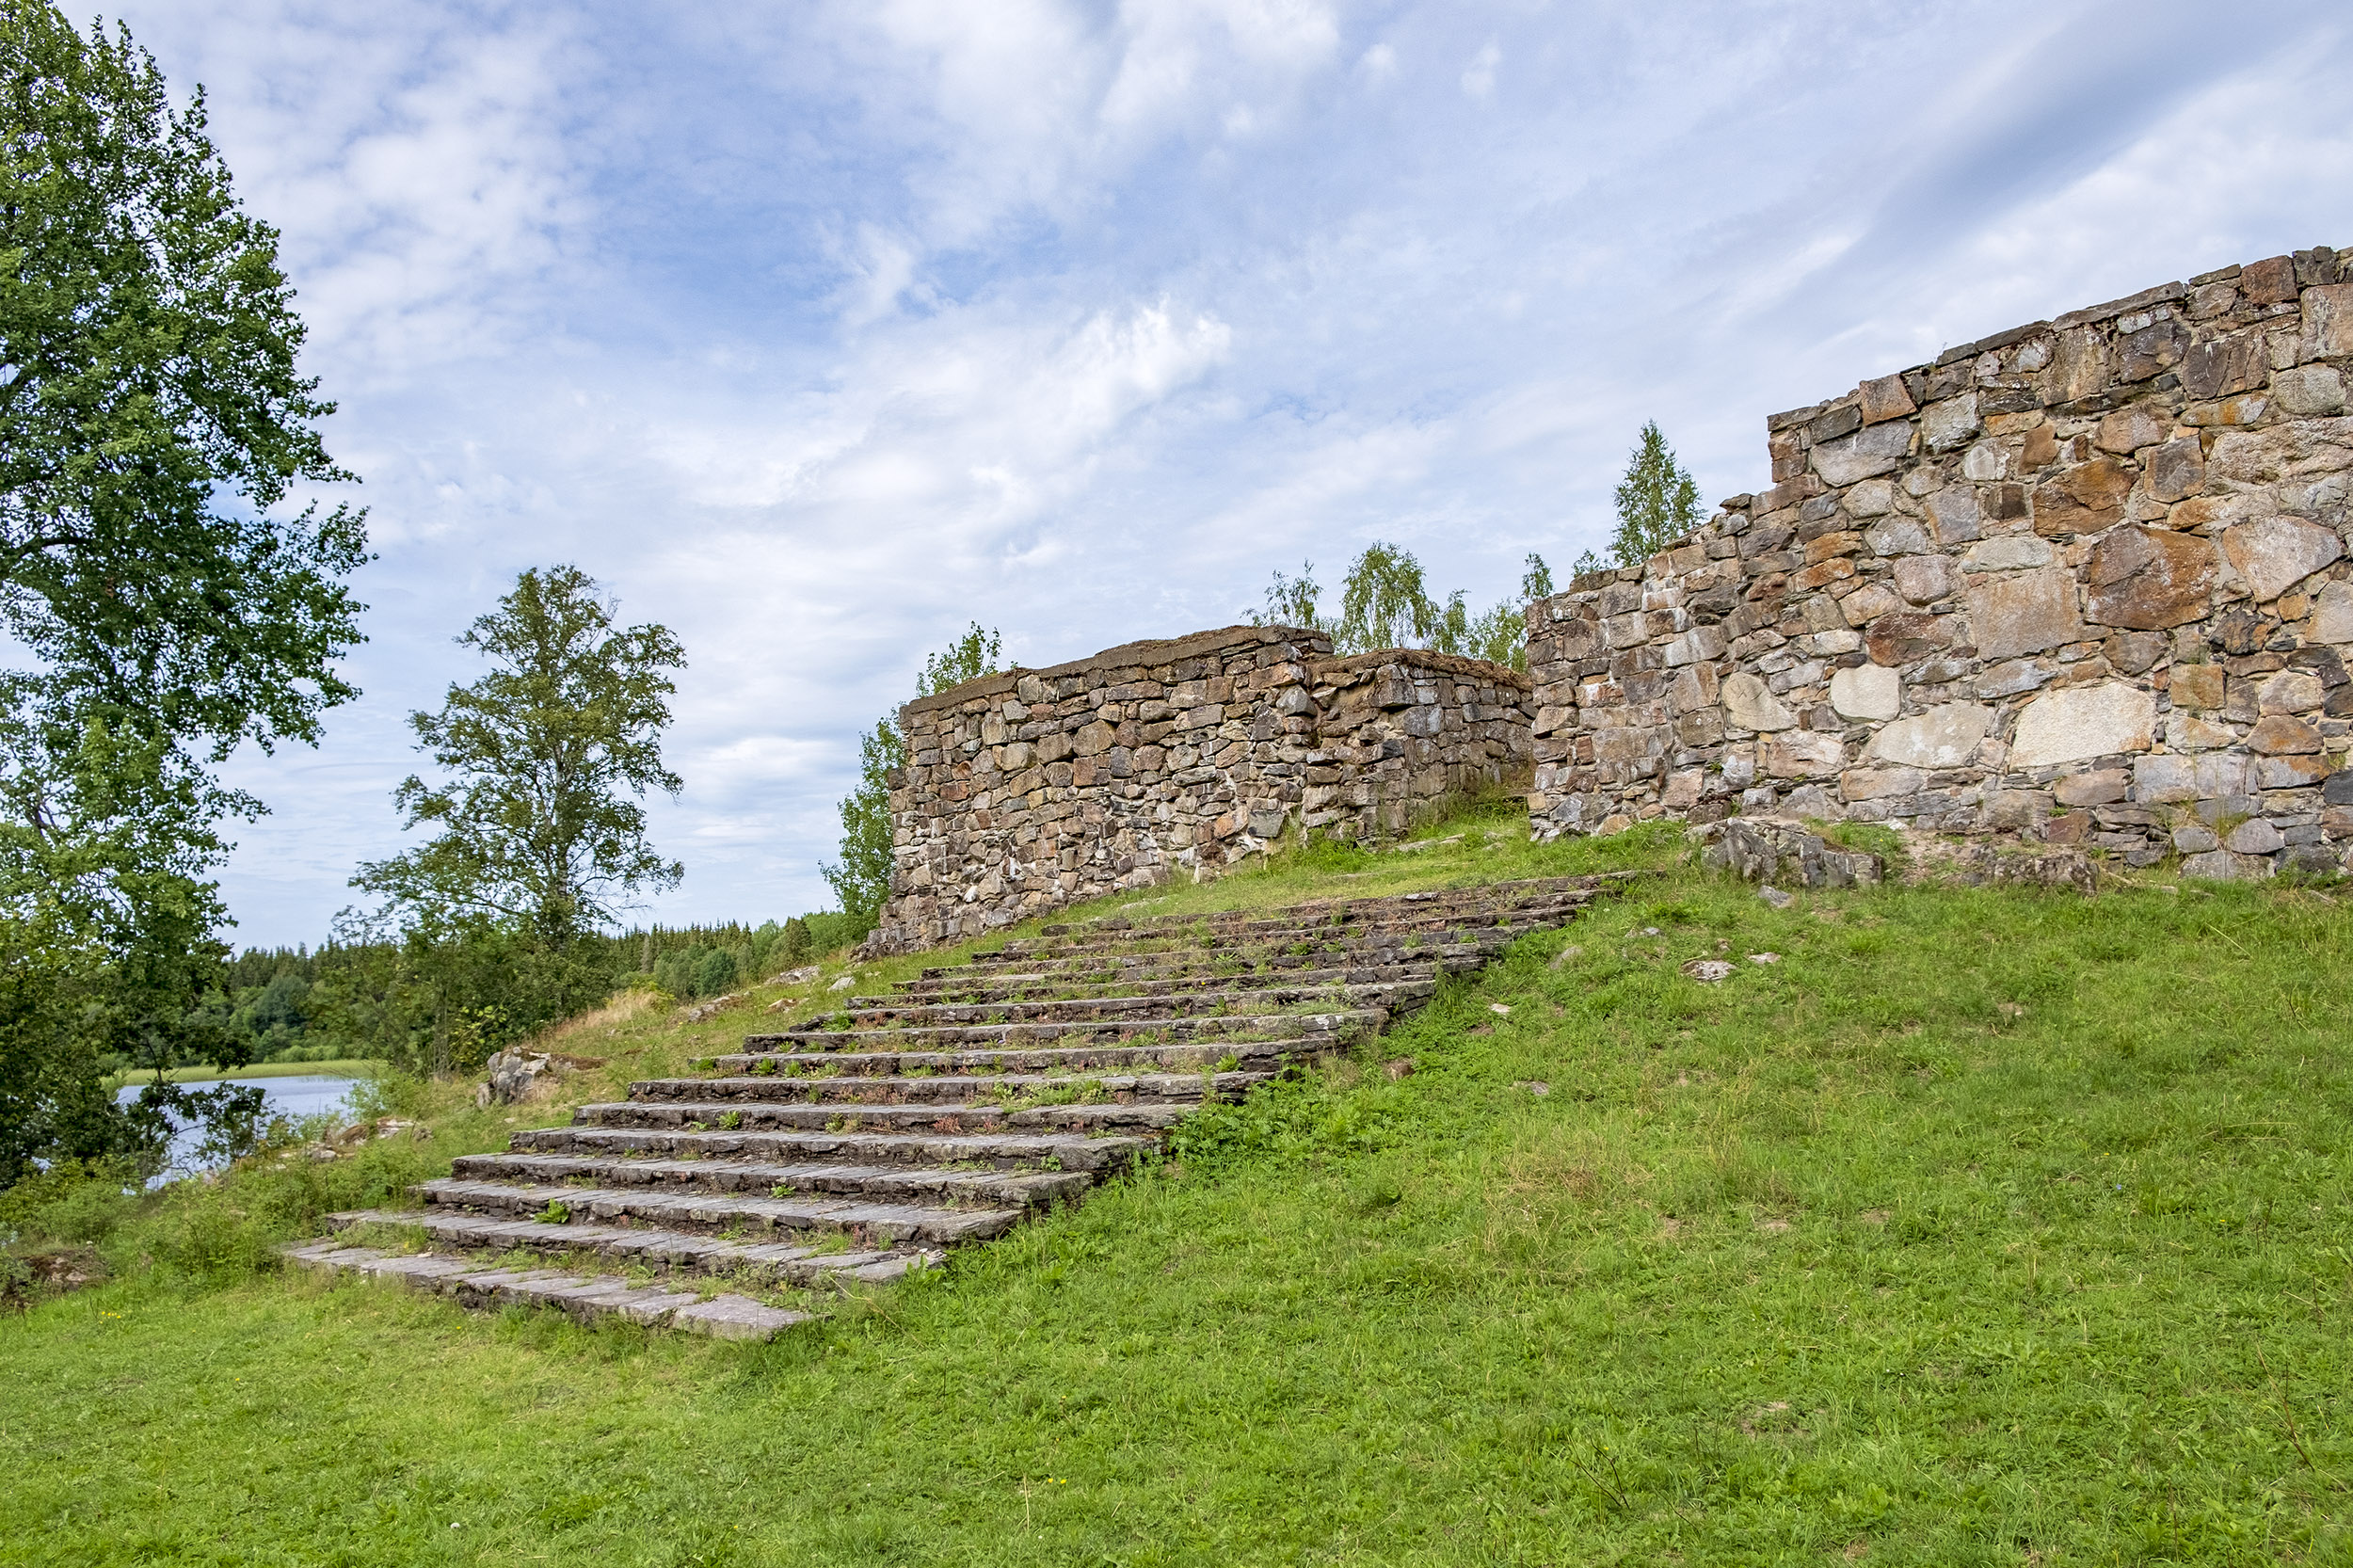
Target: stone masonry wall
1036,788
1401,732
2086,579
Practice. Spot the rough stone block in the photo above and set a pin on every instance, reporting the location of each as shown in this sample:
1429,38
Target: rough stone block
2079,722
2312,390
1868,692
2150,579
1950,423
1927,579
2023,613
2279,734
2085,499
2197,686
2273,554
1802,753
1943,737
2102,787
1749,704
2328,322
1884,398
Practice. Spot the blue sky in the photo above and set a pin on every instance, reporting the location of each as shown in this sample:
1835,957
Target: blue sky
817,331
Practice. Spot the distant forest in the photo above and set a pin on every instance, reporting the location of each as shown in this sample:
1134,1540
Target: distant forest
350,999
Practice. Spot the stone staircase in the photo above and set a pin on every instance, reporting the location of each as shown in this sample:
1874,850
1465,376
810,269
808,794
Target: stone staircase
862,1144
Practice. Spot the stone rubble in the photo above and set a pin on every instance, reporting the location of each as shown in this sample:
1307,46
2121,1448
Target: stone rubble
859,1146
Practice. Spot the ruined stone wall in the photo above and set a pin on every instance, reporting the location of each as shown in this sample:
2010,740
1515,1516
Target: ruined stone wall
1401,732
1026,791
2086,579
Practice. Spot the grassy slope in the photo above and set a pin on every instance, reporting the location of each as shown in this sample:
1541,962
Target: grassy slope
1983,1227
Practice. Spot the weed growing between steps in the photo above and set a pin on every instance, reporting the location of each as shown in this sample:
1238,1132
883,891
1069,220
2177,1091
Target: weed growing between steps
1976,1228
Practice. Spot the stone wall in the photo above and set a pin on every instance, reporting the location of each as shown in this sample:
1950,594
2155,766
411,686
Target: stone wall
2086,579
1036,788
1401,732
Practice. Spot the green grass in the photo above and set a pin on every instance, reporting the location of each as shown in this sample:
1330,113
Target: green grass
1983,1227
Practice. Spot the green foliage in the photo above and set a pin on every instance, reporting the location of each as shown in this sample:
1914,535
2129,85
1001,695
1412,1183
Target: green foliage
861,879
1657,501
1385,602
1292,601
151,342
554,752
150,419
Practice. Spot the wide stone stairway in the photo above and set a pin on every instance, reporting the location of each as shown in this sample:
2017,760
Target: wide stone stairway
862,1144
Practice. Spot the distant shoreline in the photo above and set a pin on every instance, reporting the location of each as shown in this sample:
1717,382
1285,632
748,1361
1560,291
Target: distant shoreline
350,1066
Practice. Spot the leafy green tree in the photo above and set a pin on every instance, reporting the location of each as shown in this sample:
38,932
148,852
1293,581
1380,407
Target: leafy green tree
1385,602
1657,501
553,752
1500,635
861,879
1292,601
105,948
152,419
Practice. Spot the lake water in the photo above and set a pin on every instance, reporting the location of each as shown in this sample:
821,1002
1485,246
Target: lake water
292,1097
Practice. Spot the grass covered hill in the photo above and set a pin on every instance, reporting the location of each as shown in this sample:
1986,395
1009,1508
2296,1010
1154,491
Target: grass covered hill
1976,1227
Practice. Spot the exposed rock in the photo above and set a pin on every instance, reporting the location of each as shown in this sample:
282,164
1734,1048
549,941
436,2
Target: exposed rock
511,1075
1759,849
1943,737
2079,722
2273,554
2150,579
2023,613
1868,691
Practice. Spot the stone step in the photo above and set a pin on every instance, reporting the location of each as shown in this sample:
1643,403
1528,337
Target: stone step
585,1298
1477,896
654,1248
1284,933
779,1068
1000,1151
880,1013
889,1183
700,1116
941,1089
1184,977
718,1212
1333,1028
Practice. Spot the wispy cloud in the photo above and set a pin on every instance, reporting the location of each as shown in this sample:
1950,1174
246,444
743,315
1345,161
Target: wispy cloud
817,331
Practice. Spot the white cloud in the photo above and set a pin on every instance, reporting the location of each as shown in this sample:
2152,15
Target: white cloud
1478,79
817,331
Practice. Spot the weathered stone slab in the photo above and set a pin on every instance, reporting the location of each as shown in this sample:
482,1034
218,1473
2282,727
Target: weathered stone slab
2148,579
1749,704
1802,753
2273,554
2076,722
2023,613
1943,737
1866,692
